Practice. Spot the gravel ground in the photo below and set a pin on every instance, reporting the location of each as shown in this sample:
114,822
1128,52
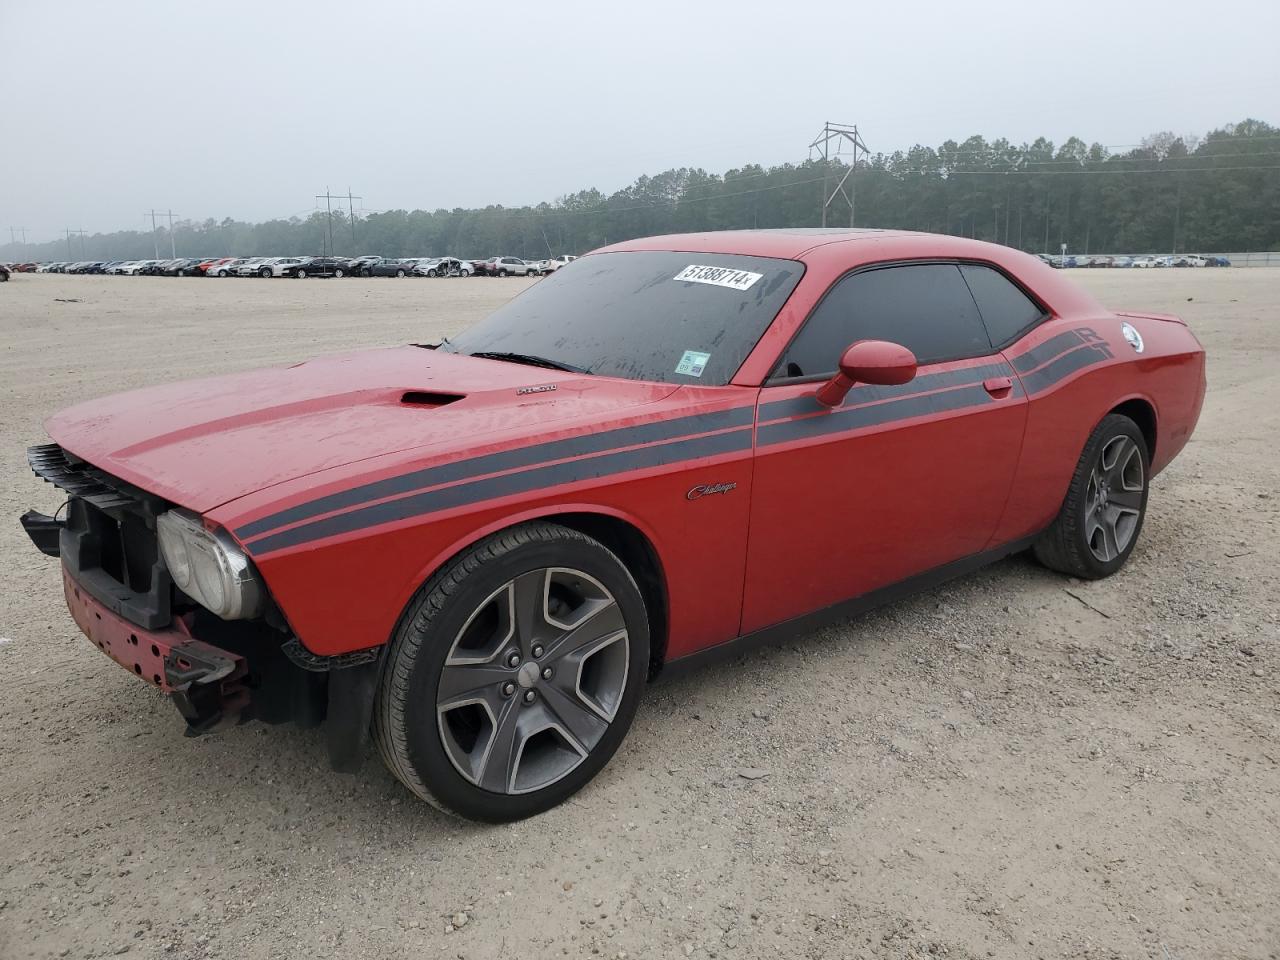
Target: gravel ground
1014,765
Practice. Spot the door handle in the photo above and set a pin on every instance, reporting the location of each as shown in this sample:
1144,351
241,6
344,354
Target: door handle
998,387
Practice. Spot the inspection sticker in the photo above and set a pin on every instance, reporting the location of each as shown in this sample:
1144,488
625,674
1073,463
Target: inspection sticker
693,363
718,276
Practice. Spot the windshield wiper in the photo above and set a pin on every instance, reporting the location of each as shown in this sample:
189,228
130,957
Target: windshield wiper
529,360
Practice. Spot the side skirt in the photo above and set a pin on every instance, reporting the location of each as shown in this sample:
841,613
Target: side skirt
843,610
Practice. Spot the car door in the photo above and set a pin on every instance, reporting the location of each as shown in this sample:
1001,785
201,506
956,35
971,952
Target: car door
897,480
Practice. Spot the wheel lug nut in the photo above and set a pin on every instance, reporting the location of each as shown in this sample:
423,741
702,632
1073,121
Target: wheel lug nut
537,649
513,660
508,689
546,673
530,696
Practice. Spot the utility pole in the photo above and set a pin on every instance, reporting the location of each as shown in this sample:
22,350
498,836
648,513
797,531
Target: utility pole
13,239
328,205
351,216
839,133
173,247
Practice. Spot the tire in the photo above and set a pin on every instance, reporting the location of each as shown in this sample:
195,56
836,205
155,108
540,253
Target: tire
502,273
338,273
399,273
445,754
1101,517
264,272
432,273
182,273
221,273
300,274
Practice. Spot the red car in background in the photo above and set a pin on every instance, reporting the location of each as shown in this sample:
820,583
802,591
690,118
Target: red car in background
477,551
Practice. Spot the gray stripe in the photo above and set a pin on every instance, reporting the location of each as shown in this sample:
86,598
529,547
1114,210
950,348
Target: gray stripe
477,491
856,418
867,393
497,462
1047,350
1064,366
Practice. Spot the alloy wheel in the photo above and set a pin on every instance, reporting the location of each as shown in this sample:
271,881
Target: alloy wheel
533,680
1113,498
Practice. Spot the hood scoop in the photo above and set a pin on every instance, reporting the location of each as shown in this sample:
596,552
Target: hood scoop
424,398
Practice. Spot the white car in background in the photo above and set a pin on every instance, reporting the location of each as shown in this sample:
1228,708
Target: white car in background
555,263
135,268
250,267
1144,263
227,269
280,266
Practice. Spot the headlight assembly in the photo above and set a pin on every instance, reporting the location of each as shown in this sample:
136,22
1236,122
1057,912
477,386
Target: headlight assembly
209,567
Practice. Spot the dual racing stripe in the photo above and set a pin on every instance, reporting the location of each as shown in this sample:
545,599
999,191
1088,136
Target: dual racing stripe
651,444
660,443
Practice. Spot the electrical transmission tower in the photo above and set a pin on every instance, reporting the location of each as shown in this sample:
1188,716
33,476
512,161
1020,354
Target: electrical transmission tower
13,238
173,248
328,199
69,232
841,135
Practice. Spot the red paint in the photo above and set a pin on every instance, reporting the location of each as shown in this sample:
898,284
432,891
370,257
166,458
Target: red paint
810,520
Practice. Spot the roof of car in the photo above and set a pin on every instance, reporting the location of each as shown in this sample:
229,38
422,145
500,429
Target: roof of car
788,243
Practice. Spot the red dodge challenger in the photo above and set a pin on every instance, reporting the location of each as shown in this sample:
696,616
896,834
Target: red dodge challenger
474,553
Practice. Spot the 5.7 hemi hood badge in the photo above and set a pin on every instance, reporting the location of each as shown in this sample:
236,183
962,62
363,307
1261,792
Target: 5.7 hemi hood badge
540,388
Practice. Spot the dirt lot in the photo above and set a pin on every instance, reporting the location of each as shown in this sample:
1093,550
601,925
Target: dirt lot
1012,766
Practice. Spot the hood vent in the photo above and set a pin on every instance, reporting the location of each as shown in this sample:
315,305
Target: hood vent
423,398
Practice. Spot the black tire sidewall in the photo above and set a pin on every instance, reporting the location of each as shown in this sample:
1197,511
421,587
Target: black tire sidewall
1112,426
426,752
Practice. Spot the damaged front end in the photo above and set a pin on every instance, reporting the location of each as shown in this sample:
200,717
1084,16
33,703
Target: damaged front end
122,550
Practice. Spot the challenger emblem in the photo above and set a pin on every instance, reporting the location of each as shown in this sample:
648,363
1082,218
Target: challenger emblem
541,388
707,489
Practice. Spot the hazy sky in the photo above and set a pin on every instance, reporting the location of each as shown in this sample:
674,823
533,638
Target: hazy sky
250,109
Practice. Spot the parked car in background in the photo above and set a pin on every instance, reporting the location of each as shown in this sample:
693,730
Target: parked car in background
508,267
318,267
1122,261
1219,262
555,263
280,266
250,267
206,267
359,266
183,267
1144,263
4,272
228,268
389,268
453,267
429,267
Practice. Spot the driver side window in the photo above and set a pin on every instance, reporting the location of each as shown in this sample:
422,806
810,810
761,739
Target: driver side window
926,307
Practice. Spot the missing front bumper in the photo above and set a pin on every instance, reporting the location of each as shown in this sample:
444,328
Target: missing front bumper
206,682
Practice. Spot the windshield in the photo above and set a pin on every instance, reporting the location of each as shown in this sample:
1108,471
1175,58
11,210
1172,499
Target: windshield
643,315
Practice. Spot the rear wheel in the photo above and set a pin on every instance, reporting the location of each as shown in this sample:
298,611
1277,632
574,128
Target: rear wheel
514,675
399,273
1101,518
300,274
502,273
338,272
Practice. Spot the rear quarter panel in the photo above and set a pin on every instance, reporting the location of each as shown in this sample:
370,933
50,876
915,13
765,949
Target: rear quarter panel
1076,370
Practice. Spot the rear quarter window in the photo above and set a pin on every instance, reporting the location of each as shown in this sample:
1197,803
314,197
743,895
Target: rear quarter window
1006,310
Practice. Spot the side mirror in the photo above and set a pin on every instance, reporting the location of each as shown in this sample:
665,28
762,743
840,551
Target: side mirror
868,361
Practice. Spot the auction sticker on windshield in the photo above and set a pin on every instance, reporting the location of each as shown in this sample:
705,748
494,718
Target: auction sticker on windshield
718,276
693,363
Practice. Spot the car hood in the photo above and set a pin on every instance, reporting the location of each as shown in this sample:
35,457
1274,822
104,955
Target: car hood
203,443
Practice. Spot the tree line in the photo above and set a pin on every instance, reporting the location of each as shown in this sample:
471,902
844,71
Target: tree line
1213,193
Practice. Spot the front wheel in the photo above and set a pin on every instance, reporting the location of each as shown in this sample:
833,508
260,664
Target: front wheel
264,273
399,273
514,675
1101,517
301,274
338,273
